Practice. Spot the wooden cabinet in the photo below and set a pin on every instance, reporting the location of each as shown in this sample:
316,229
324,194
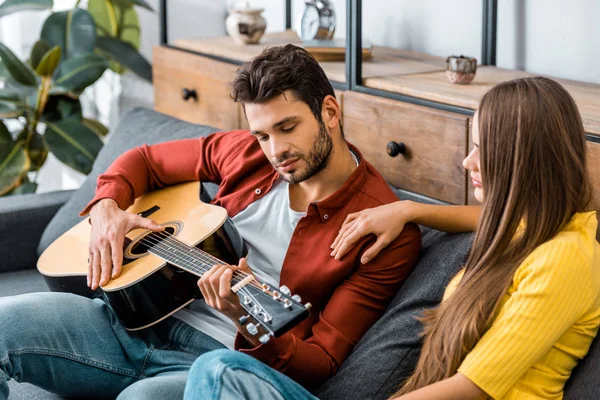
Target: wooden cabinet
175,71
435,144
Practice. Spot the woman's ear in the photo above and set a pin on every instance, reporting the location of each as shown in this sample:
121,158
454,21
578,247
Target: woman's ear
331,112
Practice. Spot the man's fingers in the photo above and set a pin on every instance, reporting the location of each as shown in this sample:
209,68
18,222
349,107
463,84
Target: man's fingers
243,265
380,244
116,247
106,264
90,266
96,270
225,283
209,295
203,291
145,223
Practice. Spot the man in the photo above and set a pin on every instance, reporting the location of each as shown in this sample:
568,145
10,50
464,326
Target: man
288,185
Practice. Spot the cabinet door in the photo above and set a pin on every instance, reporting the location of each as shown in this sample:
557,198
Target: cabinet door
594,170
176,71
435,143
471,200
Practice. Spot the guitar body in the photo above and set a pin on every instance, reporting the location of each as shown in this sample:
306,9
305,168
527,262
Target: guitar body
149,289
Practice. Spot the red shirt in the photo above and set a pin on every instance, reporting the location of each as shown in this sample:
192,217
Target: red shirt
347,297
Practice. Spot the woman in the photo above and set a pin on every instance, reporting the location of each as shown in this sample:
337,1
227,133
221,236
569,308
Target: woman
521,314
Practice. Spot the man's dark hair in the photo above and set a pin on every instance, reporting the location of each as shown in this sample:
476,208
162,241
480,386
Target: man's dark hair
282,68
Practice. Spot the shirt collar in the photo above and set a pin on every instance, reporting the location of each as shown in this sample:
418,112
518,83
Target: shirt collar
331,204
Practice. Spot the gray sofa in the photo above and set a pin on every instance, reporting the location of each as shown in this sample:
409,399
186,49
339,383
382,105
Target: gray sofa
384,356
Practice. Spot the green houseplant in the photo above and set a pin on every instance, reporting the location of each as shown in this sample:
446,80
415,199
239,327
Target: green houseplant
40,111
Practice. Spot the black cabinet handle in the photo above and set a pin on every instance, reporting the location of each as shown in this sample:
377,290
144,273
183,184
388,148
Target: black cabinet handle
189,94
395,148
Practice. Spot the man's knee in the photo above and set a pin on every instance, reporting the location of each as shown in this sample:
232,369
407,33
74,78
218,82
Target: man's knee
35,314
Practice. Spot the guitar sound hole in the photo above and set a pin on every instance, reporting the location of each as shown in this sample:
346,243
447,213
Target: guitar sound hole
151,239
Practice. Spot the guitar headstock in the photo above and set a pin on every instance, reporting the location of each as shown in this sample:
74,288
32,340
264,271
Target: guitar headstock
276,310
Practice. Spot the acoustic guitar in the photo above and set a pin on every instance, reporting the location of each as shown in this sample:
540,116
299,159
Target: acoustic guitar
161,269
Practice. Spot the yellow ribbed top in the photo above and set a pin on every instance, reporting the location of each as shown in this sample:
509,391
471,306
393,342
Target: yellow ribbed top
547,321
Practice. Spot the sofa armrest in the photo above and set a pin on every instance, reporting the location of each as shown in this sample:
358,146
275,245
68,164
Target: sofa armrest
23,220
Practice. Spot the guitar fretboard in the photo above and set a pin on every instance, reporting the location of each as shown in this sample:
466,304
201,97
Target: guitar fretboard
184,256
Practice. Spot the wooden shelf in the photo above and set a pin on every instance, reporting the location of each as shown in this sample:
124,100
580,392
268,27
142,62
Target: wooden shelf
385,61
436,87
406,72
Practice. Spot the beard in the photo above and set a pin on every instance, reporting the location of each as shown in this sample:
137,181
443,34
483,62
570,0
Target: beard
316,159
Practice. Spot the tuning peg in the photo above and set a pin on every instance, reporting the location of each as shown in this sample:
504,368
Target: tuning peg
243,319
252,329
297,298
264,339
285,290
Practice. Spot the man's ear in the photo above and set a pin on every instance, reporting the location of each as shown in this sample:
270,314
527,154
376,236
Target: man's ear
331,112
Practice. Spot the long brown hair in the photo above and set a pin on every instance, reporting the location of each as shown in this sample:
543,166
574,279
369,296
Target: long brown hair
533,166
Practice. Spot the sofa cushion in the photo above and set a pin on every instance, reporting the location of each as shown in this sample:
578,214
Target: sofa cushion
136,127
585,379
388,352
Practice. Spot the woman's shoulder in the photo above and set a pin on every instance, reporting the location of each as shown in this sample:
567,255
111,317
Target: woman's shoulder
573,255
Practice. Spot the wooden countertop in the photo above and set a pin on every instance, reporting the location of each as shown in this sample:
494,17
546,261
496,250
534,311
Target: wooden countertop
405,72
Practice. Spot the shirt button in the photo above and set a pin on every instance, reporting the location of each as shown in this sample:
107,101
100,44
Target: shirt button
326,216
257,191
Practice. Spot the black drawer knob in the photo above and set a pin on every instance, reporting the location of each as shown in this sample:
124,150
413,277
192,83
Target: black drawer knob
395,148
189,94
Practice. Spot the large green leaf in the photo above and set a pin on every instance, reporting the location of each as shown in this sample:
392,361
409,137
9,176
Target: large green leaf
11,110
117,19
125,54
49,62
38,51
141,3
11,95
74,31
13,167
97,127
18,70
79,72
4,74
73,143
38,151
61,107
11,6
6,140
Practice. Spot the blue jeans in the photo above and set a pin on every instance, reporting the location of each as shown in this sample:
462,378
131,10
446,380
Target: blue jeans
76,347
231,375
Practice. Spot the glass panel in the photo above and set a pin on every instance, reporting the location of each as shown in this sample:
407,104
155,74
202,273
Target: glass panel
404,37
201,26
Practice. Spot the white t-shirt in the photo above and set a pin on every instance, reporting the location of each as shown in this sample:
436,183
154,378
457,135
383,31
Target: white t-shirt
266,226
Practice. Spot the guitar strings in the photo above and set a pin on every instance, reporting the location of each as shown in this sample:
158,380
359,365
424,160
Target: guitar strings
199,256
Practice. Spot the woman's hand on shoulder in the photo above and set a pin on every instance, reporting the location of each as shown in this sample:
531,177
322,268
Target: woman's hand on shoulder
386,222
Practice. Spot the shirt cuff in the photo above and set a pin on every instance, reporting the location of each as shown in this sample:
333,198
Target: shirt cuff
107,193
